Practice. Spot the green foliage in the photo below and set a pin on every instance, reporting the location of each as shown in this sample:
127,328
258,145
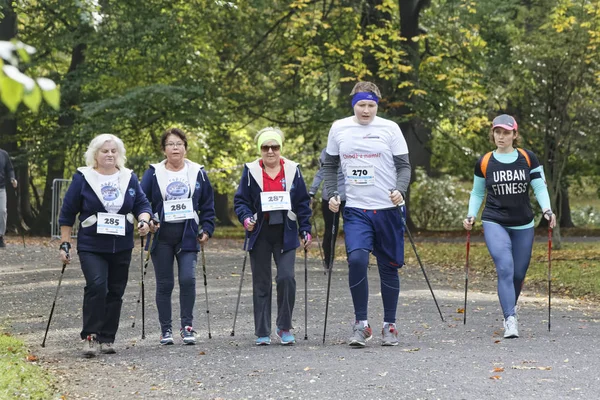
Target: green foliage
575,268
437,203
223,70
20,377
16,87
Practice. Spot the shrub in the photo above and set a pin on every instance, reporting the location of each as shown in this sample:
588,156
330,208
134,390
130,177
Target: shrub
438,203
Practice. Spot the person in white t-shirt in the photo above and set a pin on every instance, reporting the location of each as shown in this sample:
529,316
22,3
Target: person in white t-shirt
373,155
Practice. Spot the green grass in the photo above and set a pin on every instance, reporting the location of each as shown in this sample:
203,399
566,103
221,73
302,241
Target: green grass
20,376
575,267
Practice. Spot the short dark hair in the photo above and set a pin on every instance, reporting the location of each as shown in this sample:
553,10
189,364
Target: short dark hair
173,131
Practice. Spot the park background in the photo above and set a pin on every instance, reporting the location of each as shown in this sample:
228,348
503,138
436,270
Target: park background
222,70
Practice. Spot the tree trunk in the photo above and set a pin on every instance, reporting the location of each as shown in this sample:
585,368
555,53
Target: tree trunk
417,135
565,211
8,127
222,209
70,97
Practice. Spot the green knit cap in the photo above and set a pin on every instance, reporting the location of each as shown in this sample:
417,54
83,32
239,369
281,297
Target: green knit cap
268,134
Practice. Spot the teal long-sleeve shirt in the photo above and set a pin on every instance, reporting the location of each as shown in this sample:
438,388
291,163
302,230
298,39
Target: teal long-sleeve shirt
538,184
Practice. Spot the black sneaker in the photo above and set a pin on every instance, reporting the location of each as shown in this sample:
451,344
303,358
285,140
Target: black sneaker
2,241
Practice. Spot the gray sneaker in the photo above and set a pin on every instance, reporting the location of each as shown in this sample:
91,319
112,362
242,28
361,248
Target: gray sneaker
189,335
511,327
90,346
106,348
360,335
167,337
390,335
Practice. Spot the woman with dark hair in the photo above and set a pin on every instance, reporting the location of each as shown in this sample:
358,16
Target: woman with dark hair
182,200
107,196
506,174
271,202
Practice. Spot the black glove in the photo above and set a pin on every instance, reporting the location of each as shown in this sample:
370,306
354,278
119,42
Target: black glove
66,247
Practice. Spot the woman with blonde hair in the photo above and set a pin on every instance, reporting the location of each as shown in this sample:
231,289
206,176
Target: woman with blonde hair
271,202
107,197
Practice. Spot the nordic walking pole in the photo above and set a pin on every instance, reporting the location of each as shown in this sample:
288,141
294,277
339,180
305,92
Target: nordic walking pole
237,306
319,242
142,287
549,275
144,272
54,302
331,258
467,276
412,242
305,291
205,285
21,222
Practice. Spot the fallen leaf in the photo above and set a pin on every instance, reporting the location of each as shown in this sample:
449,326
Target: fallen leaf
498,369
497,341
460,310
202,353
411,350
307,369
383,373
496,377
32,358
234,274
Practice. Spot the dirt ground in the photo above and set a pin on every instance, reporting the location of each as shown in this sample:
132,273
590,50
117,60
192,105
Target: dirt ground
435,359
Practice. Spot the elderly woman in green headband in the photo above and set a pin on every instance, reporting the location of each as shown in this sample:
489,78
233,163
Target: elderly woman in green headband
273,204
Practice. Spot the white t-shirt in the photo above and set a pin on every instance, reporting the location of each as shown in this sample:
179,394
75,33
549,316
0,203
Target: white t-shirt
178,185
112,198
366,159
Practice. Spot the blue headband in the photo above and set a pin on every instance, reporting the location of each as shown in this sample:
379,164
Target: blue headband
364,96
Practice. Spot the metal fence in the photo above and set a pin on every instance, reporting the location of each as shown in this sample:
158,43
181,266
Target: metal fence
59,189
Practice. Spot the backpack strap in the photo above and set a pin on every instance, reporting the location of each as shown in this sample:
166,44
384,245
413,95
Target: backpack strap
524,154
484,163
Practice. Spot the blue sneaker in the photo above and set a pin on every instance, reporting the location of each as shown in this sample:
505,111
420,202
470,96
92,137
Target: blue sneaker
189,335
167,337
263,341
286,336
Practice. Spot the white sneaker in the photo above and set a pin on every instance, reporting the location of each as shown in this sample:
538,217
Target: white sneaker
90,346
106,348
511,327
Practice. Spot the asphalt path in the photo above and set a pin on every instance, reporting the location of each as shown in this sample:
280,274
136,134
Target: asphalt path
435,359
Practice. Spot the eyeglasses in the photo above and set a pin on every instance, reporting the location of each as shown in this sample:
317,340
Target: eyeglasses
274,147
171,144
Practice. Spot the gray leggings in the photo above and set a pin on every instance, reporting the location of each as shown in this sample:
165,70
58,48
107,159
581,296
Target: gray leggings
511,251
269,243
2,211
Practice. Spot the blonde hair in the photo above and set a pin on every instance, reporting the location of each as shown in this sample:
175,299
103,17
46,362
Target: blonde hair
97,142
365,86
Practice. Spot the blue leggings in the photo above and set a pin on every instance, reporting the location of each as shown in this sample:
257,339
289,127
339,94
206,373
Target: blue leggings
358,263
511,251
